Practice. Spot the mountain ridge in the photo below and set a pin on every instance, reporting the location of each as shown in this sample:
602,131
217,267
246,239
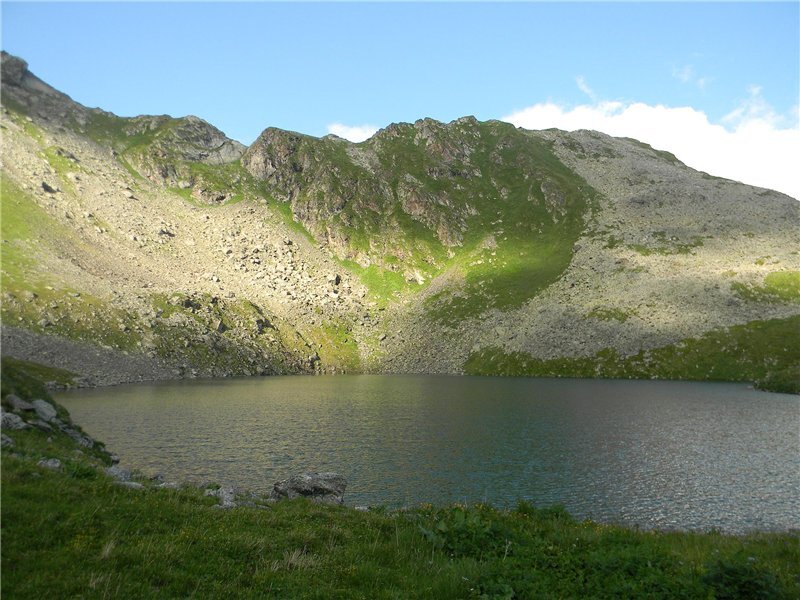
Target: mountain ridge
430,247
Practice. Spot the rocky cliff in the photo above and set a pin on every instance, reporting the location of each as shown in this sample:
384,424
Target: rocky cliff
161,244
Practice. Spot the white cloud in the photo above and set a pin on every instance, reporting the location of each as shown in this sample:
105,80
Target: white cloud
357,133
754,146
683,74
687,74
584,87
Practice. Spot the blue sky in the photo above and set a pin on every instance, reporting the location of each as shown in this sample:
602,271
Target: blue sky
306,67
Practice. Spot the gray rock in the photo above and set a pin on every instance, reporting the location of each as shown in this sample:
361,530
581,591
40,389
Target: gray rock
45,410
169,485
14,69
18,403
77,436
50,463
5,441
327,488
118,473
227,496
43,425
134,485
12,421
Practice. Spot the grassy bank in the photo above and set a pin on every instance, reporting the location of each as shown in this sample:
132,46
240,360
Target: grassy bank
766,353
74,532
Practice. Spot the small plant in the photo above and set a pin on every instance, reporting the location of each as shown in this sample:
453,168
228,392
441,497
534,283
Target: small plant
740,577
462,532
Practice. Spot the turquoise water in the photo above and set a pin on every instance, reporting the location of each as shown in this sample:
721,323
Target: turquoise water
655,454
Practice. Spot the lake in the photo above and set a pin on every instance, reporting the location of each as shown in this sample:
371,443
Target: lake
655,454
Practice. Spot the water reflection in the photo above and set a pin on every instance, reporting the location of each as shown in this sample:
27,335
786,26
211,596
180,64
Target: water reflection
656,454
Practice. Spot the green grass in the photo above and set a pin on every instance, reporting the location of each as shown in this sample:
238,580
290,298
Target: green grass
779,287
336,346
764,352
74,533
28,379
385,286
284,209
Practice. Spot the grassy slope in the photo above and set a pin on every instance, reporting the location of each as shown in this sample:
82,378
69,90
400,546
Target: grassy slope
765,352
75,533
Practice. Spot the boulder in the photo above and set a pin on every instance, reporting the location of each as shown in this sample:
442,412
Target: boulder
226,496
12,421
118,473
134,485
45,410
50,463
327,488
5,441
17,403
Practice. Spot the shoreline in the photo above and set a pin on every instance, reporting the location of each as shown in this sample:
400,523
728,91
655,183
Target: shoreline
95,366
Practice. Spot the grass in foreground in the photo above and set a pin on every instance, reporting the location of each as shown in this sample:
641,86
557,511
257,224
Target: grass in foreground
75,533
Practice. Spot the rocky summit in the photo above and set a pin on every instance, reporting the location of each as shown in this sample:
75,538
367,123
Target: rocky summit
156,247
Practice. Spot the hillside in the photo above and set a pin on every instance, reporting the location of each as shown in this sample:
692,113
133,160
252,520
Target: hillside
156,247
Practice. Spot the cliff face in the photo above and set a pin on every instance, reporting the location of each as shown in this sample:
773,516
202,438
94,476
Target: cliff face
416,194
431,247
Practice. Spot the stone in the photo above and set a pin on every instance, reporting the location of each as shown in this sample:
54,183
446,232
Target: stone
48,188
326,488
6,441
43,425
50,463
226,496
169,485
14,70
45,410
12,421
77,436
118,473
134,485
17,403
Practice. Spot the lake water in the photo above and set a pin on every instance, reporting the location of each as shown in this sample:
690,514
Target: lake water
654,454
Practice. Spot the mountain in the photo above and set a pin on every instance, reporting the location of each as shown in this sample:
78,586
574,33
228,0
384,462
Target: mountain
156,247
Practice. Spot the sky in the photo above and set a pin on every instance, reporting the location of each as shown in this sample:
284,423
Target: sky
717,84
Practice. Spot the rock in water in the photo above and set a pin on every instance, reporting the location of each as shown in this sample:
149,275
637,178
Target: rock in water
327,488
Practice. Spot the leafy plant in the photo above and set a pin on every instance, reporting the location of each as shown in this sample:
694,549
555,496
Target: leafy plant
460,531
740,577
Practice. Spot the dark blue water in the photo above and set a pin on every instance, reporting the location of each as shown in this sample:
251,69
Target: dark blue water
655,454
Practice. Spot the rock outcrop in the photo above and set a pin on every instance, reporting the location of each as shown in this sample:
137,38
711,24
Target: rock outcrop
326,488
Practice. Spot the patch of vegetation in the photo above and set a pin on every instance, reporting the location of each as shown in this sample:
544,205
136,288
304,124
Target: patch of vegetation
764,352
666,245
779,286
384,285
284,209
336,346
30,380
662,244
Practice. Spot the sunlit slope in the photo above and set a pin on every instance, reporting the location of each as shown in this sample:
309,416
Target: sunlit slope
431,247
